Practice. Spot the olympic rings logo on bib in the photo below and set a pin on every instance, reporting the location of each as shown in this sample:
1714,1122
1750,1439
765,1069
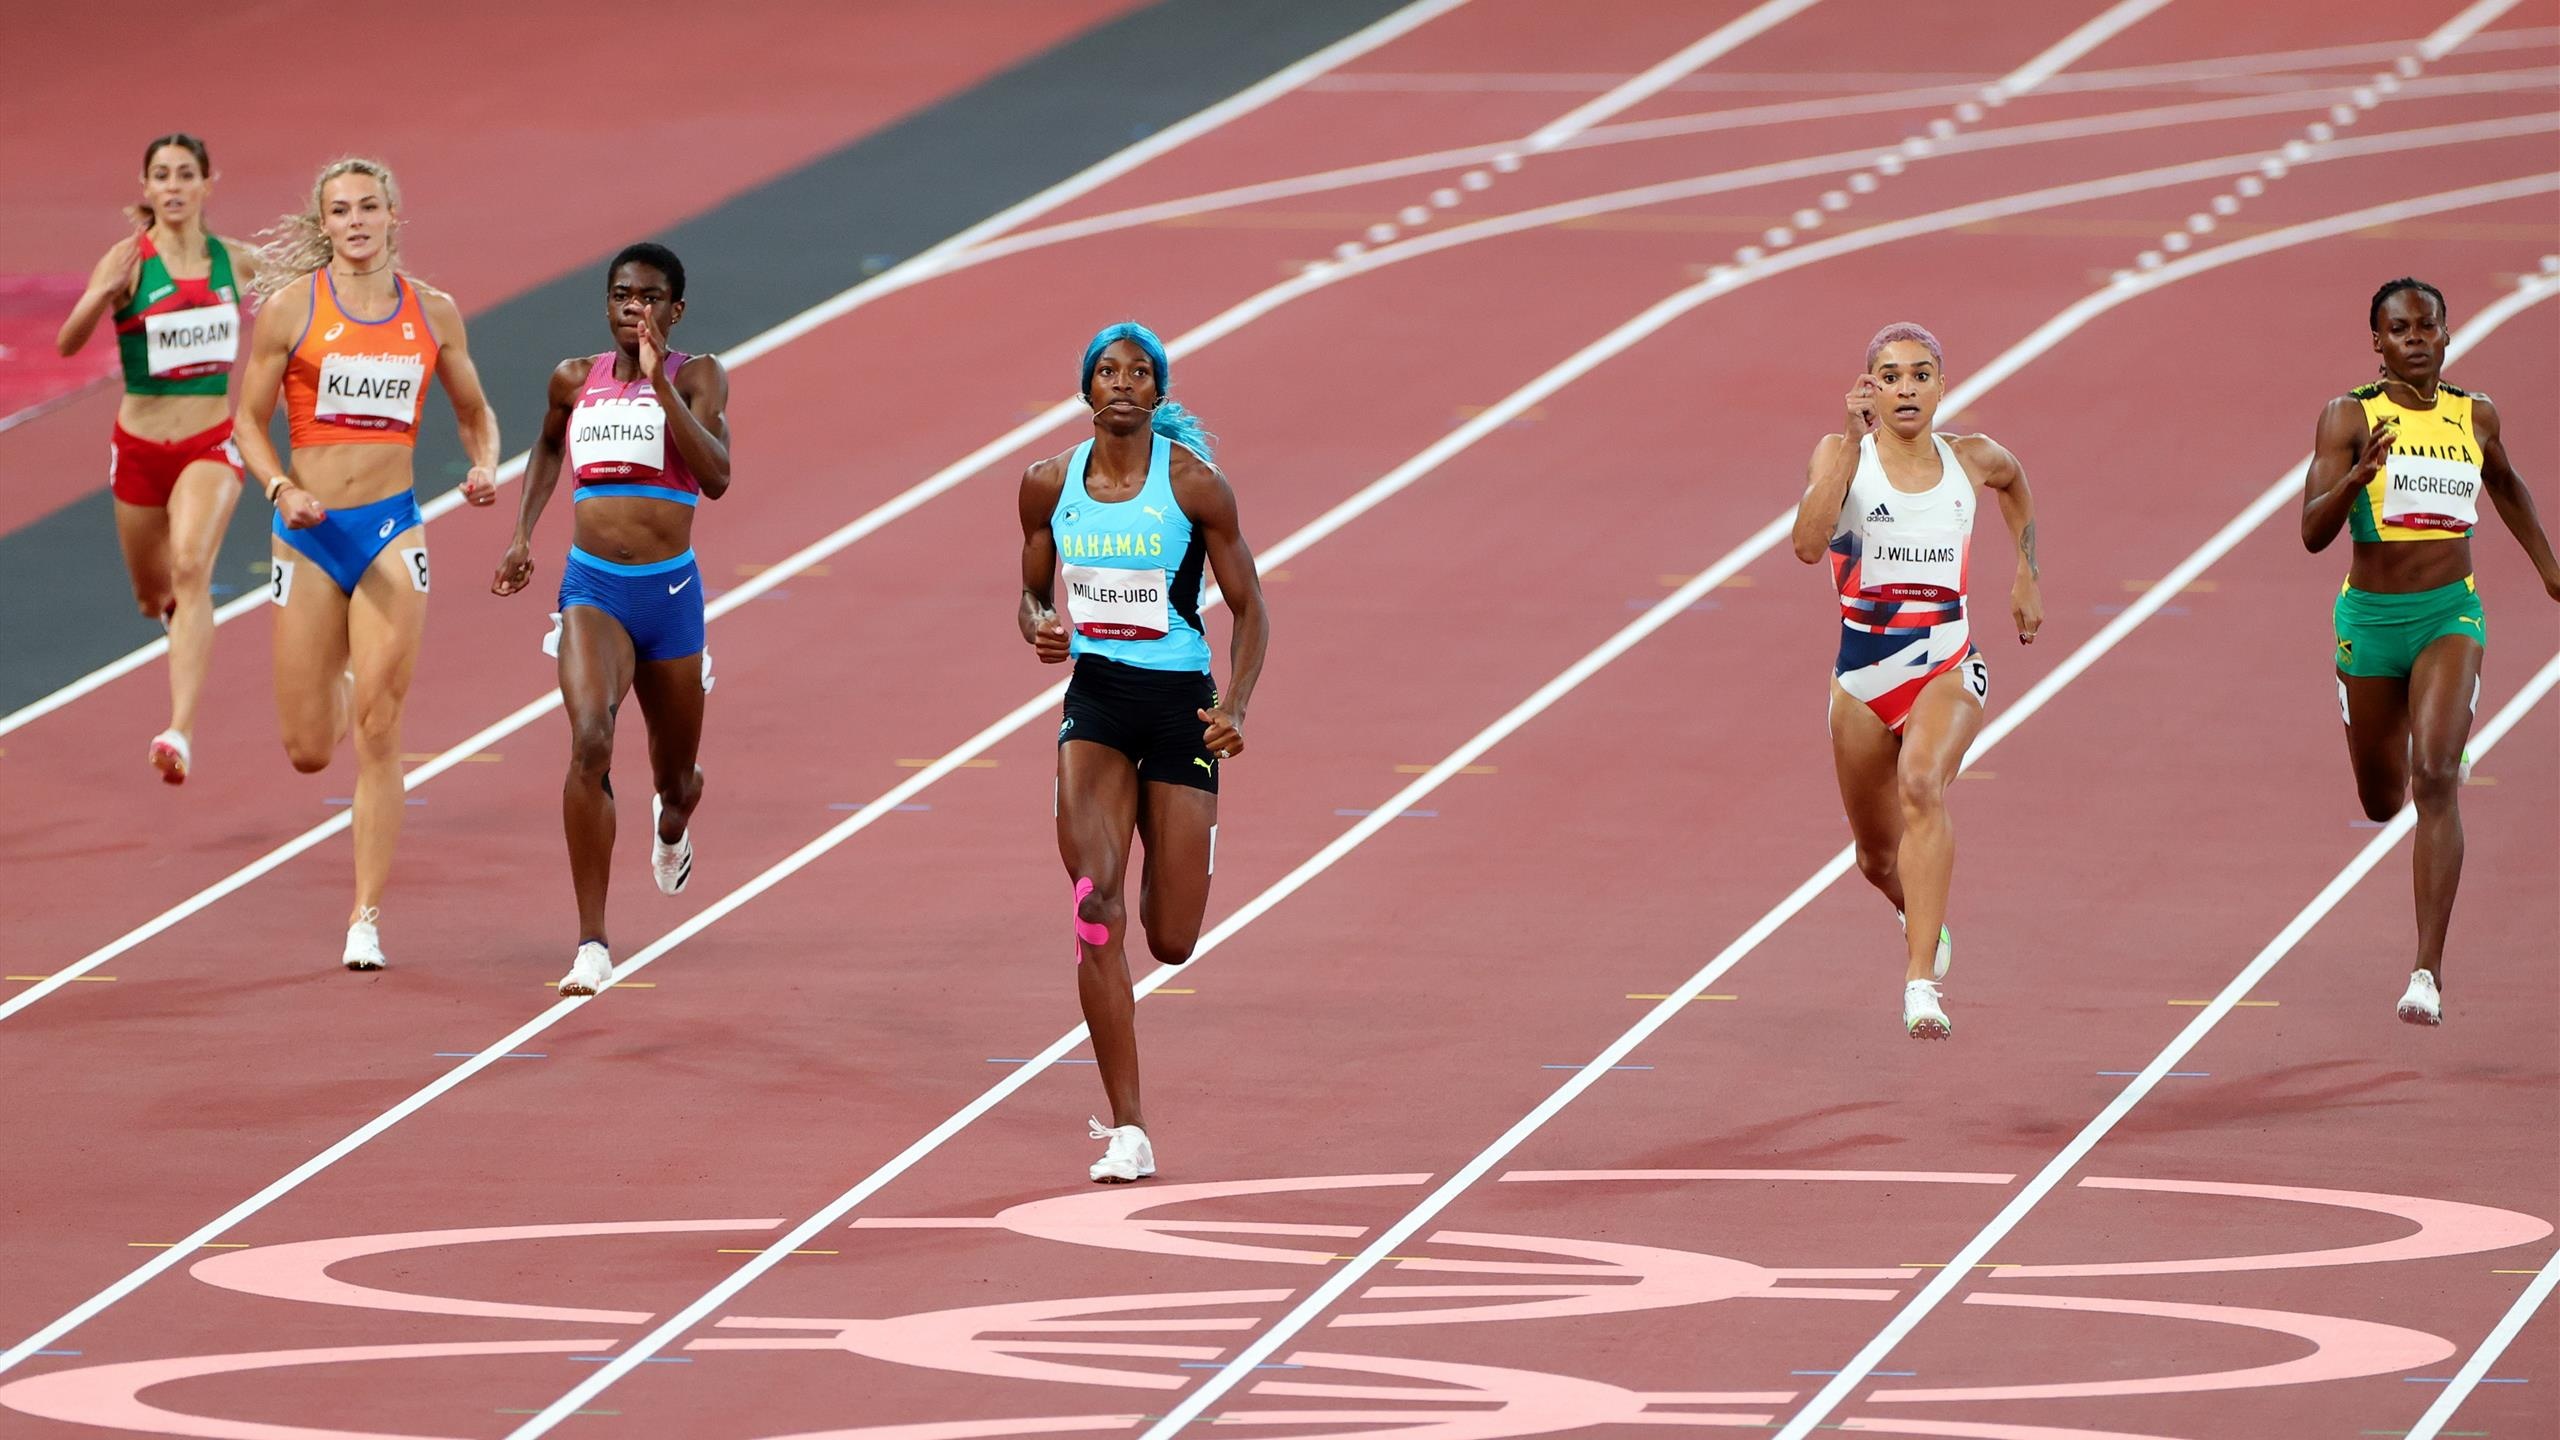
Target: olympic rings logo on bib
1109,603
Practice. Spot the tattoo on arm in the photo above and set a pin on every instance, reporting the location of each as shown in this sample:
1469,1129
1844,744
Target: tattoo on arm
2027,548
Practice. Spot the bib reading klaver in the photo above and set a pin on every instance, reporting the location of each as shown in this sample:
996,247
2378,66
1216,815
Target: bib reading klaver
181,344
2425,492
610,439
1913,564
369,392
1115,604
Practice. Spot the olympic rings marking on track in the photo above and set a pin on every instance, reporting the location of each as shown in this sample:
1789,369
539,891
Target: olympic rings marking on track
1467,1278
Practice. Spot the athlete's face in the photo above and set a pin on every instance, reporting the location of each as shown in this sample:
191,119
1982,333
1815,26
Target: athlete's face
1912,388
174,186
1124,391
639,291
2412,338
357,217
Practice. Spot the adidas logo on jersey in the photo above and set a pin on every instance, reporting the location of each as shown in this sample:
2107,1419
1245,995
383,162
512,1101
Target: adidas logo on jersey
1879,513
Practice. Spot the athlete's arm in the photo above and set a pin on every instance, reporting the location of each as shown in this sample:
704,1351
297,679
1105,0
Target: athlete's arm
2343,461
472,413
281,321
2001,474
1036,616
1827,475
2507,491
697,406
541,471
110,284
1210,501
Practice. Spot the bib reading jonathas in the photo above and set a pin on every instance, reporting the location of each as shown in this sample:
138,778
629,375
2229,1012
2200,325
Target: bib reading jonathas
615,438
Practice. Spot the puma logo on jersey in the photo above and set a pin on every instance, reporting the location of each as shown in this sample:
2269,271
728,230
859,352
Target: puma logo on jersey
1204,764
1153,511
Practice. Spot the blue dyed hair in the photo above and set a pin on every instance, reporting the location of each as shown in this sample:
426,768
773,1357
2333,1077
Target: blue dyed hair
1170,420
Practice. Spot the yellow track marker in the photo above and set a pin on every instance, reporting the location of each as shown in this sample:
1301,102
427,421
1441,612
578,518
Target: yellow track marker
1463,769
172,1245
2515,1272
2258,1004
981,763
1693,997
76,979
1171,990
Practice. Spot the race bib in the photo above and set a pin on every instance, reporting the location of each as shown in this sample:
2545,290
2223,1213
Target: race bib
2423,492
182,343
1113,604
370,392
1914,564
615,438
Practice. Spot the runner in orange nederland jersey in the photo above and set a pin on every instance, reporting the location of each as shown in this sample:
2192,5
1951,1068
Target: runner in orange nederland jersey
173,289
1892,503
350,339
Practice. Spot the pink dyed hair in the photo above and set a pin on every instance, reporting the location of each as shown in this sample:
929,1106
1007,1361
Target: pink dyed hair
1905,330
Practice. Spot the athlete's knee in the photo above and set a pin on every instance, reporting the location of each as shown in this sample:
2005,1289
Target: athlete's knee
2435,780
1103,906
1174,948
1920,792
190,573
591,744
376,723
1877,863
155,603
309,755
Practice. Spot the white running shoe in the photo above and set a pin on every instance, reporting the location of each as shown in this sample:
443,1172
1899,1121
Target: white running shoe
1946,944
169,756
590,972
1923,1018
364,942
1130,1156
670,865
2421,1003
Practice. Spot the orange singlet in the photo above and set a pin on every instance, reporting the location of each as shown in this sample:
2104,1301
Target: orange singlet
359,382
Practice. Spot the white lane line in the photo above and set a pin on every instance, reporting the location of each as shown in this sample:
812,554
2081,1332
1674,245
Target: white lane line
1264,1346
1723,40
921,266
2449,36
1228,323
1959,1268
2100,29
1512,406
2495,1344
1376,492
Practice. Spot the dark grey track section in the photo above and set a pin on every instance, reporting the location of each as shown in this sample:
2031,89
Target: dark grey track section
751,264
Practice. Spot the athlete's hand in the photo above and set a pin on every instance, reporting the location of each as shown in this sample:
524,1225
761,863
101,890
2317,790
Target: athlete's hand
300,508
1862,407
2026,606
1049,637
124,258
480,487
515,568
653,347
1225,737
2377,451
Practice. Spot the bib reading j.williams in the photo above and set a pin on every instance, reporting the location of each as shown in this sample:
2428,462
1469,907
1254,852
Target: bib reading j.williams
1115,604
2426,492
183,343
618,437
369,392
1914,564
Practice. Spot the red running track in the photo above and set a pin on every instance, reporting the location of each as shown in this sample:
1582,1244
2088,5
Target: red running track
2129,848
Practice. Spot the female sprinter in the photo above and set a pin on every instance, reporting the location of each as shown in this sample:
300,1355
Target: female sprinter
2401,463
349,339
1127,519
173,287
1892,502
645,431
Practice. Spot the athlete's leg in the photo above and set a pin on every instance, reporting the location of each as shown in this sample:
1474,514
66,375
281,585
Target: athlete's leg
2441,686
1178,825
313,696
199,511
671,703
1864,753
595,673
385,618
142,532
1097,813
2377,720
1943,722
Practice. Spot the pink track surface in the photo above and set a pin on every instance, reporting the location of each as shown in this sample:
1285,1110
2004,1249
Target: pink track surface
1620,1272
